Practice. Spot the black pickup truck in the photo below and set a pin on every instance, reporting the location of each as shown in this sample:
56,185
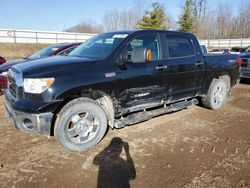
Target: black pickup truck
116,79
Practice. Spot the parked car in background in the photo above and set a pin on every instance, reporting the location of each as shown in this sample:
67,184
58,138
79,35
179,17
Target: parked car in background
56,49
237,50
204,49
245,66
2,60
220,51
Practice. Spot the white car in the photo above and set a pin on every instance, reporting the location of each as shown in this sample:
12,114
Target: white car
220,51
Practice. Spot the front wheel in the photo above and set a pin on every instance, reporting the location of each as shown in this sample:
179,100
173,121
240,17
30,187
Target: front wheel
217,95
81,124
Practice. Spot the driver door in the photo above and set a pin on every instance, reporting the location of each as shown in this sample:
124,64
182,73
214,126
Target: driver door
138,84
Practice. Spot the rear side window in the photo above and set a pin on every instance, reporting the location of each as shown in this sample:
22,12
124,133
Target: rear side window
179,46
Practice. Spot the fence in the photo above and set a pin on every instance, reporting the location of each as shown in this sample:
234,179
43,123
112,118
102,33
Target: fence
29,36
226,43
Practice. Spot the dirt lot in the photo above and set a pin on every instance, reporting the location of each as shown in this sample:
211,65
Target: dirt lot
191,148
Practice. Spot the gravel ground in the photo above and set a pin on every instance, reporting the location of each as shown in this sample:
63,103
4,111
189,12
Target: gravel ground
196,147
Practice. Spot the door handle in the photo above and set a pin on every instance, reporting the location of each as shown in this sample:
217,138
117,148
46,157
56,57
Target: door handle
199,63
161,67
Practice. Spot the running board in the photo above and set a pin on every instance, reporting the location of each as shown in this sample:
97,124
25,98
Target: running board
146,115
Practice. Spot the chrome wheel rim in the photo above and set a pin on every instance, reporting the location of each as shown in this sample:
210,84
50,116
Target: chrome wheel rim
219,95
82,127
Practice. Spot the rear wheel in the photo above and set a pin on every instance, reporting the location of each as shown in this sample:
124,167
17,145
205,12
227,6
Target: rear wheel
217,95
81,124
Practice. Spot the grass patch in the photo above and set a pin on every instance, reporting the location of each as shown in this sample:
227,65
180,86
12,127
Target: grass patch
16,51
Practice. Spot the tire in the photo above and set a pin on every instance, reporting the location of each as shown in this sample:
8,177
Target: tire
80,125
217,95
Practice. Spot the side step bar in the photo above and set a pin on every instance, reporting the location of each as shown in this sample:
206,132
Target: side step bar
146,115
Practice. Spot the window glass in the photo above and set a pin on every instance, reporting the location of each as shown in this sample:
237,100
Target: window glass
148,41
66,51
46,52
179,46
248,50
100,46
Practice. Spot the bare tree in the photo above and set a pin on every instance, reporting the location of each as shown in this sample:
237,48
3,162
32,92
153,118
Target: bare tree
209,23
127,20
242,21
200,13
123,19
221,23
223,20
86,27
110,20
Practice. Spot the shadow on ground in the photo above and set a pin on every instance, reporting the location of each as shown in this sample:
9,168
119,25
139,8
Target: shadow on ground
114,171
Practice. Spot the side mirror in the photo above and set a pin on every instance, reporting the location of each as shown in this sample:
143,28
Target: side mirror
141,55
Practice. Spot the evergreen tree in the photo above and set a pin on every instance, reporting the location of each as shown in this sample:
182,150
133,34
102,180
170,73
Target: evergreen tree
154,19
187,19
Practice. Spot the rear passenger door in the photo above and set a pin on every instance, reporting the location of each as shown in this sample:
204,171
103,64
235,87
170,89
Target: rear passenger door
185,67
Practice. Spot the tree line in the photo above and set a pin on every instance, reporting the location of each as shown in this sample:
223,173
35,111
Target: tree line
195,16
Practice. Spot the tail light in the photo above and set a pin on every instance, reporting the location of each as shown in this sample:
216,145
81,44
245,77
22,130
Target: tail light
2,60
239,61
3,82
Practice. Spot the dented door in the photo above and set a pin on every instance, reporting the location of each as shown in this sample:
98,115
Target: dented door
138,84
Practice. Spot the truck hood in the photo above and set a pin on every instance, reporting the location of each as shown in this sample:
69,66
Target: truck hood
5,67
50,66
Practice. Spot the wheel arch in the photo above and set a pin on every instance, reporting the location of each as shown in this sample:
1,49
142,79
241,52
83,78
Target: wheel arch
224,75
99,96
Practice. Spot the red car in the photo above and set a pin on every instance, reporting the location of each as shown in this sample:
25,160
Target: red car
2,60
57,49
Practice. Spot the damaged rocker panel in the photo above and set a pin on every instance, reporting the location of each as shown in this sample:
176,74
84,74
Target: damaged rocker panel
148,114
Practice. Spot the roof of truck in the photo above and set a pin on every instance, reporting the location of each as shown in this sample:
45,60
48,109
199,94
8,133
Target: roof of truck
148,31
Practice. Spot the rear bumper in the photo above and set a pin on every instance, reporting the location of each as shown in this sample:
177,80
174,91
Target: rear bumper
28,122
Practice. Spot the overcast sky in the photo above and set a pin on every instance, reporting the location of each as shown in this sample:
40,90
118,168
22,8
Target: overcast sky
58,15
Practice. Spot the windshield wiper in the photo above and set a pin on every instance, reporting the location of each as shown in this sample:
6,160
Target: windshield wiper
28,57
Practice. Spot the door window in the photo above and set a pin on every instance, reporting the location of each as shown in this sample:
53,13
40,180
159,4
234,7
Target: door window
179,46
149,41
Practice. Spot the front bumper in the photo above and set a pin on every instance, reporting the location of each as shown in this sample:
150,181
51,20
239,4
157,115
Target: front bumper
28,122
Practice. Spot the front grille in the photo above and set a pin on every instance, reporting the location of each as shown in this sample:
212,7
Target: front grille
15,79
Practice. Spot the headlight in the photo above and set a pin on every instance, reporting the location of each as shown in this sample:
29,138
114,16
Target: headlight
37,85
4,74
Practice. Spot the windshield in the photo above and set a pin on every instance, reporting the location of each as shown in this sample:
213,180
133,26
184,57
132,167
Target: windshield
203,49
248,50
99,47
44,52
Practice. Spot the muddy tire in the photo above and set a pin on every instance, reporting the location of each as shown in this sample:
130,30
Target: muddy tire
80,124
217,95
